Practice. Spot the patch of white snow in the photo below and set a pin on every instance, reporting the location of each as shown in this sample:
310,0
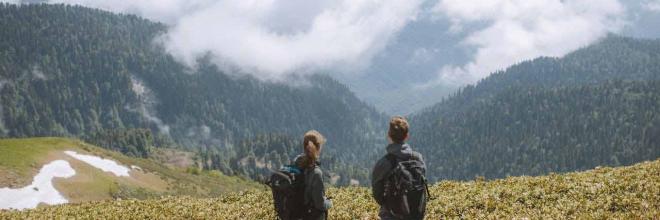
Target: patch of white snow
136,168
40,191
103,164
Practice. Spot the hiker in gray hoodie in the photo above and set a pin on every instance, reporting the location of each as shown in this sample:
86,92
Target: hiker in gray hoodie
315,199
397,135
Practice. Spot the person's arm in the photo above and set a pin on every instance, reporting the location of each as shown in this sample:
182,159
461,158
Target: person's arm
377,176
421,159
318,192
377,192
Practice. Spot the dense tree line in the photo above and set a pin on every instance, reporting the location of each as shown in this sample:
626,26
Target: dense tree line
133,142
74,71
257,157
597,106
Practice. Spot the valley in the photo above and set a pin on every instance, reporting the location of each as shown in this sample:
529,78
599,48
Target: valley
98,119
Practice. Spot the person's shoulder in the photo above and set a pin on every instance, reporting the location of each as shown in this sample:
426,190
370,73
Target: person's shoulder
316,172
382,161
418,156
298,159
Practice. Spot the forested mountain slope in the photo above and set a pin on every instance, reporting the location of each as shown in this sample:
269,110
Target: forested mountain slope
74,71
597,106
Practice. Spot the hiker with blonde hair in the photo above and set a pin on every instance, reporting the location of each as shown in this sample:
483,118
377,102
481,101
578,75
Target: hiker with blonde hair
314,189
298,190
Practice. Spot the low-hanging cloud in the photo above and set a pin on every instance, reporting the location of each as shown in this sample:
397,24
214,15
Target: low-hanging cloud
272,38
516,30
652,5
166,11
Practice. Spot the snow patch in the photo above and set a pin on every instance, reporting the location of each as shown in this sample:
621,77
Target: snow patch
40,191
136,168
103,164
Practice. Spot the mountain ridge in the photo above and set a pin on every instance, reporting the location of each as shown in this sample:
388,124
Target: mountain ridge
524,115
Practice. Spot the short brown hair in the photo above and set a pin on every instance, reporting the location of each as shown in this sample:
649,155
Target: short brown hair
398,129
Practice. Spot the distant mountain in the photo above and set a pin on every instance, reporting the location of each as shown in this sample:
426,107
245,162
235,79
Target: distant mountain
74,71
597,106
428,43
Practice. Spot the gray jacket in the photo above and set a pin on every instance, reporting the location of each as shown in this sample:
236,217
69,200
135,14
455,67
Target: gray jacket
383,167
314,188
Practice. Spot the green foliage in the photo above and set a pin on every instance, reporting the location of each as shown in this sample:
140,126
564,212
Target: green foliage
257,157
22,156
618,193
193,170
120,191
132,142
597,106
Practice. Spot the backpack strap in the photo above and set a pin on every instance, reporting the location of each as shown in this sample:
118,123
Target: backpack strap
393,158
428,193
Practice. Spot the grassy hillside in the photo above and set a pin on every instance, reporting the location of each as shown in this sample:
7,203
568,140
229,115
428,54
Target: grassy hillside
21,159
619,193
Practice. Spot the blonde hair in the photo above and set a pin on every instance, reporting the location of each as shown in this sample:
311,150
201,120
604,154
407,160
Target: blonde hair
398,129
312,144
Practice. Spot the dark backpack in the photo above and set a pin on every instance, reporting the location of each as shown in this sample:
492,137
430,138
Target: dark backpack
288,187
405,189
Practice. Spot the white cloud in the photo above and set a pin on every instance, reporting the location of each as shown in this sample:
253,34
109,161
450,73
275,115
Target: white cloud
653,5
422,55
37,74
345,33
272,38
516,30
11,1
147,102
167,11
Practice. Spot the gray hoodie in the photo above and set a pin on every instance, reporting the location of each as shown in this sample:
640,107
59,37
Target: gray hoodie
383,166
314,188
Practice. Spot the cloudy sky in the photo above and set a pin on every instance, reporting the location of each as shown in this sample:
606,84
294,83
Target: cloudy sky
373,45
271,38
517,30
